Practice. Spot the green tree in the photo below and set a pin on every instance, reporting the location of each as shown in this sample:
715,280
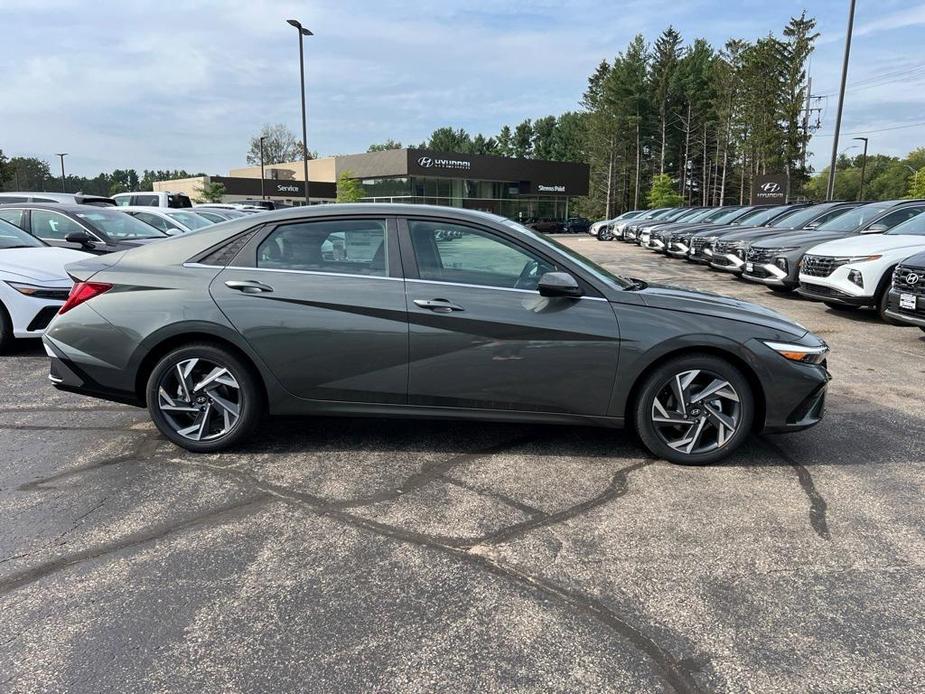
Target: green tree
505,142
447,139
384,146
543,141
663,193
28,173
917,184
211,192
349,189
6,171
522,142
665,58
280,145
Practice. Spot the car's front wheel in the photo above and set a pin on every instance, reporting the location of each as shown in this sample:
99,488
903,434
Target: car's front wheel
604,235
694,410
6,330
203,398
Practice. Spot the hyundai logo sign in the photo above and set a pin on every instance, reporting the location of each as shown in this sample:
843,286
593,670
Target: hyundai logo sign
437,163
771,187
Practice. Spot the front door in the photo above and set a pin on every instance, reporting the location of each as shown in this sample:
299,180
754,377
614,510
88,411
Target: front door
323,304
54,227
483,337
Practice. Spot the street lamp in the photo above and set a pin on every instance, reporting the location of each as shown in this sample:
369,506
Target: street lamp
303,32
863,167
915,174
263,195
61,155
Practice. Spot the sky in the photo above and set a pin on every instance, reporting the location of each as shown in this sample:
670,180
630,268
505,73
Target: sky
184,85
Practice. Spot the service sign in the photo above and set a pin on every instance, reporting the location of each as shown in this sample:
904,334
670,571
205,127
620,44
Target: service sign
769,189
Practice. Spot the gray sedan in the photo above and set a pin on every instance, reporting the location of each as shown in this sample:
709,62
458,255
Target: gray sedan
416,311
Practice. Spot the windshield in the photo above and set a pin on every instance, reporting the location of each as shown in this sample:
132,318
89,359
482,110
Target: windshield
799,218
189,219
11,236
911,227
716,215
761,216
734,215
119,225
700,216
589,265
854,219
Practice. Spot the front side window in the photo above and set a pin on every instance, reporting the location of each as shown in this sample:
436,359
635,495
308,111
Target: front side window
904,221
350,247
52,225
854,219
448,252
189,219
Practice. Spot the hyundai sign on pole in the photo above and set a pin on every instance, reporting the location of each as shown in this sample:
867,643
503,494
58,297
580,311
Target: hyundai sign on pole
769,189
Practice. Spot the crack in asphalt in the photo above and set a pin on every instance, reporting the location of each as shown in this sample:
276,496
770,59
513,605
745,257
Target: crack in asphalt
817,503
473,551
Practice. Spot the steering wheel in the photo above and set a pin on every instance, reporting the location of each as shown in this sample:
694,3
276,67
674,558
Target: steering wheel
529,275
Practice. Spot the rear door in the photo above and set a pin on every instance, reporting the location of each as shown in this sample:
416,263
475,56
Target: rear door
481,336
322,302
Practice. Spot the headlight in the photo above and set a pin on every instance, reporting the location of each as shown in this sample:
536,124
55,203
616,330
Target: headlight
38,292
800,353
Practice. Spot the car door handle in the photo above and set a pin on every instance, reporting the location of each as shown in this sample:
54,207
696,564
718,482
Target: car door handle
249,286
438,305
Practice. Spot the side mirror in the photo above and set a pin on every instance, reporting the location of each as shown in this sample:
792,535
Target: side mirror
81,237
558,284
875,229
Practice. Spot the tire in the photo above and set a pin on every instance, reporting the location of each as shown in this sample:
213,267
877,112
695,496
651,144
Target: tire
713,442
176,415
6,330
883,300
604,235
780,289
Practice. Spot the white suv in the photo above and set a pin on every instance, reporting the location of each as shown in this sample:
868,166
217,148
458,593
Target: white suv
152,199
856,271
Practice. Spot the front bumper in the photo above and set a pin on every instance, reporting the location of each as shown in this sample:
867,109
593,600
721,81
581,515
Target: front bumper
794,393
767,274
678,249
898,312
818,292
727,262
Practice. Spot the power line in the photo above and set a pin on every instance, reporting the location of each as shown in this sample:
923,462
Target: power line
879,130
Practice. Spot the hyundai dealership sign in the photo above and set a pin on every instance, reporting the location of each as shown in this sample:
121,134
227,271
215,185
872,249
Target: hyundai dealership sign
769,189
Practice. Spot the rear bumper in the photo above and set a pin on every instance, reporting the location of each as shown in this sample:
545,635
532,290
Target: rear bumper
75,372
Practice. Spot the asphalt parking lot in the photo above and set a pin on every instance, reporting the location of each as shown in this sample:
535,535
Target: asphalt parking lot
367,555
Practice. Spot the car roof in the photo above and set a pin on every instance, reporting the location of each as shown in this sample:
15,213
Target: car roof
72,207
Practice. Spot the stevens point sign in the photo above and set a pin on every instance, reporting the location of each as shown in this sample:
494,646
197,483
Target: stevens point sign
769,189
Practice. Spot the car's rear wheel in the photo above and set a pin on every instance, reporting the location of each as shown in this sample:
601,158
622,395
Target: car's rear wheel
6,330
203,398
694,410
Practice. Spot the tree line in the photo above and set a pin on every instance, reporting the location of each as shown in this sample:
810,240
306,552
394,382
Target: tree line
708,119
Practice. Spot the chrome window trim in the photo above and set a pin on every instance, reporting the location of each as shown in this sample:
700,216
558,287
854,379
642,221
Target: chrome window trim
295,272
500,289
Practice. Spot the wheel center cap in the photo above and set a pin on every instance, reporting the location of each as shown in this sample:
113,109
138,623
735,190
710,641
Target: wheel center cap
695,412
201,399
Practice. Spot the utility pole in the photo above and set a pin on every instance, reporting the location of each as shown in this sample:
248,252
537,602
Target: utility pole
303,32
830,191
263,194
863,167
61,156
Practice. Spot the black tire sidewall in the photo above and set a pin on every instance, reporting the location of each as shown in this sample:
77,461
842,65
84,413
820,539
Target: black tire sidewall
251,397
654,381
6,329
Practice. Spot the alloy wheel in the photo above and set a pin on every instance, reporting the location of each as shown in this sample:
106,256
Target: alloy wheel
199,399
696,412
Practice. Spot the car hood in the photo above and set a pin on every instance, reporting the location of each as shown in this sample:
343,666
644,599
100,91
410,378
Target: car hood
870,243
749,234
706,303
803,239
41,264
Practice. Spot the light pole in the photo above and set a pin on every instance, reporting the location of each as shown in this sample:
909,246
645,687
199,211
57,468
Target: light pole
915,174
263,195
61,155
830,192
302,33
863,166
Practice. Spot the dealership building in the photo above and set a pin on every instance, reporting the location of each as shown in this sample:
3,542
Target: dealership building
515,188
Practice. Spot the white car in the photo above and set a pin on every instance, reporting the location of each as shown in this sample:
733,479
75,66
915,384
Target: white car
856,271
170,221
33,283
153,199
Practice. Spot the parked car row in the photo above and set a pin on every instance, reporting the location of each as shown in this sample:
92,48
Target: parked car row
845,254
572,225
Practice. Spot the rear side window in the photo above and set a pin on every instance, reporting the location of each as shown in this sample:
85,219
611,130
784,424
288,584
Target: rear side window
4,199
12,216
353,247
52,225
146,200
157,222
178,200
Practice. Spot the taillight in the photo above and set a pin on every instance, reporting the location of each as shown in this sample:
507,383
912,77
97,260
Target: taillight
81,292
